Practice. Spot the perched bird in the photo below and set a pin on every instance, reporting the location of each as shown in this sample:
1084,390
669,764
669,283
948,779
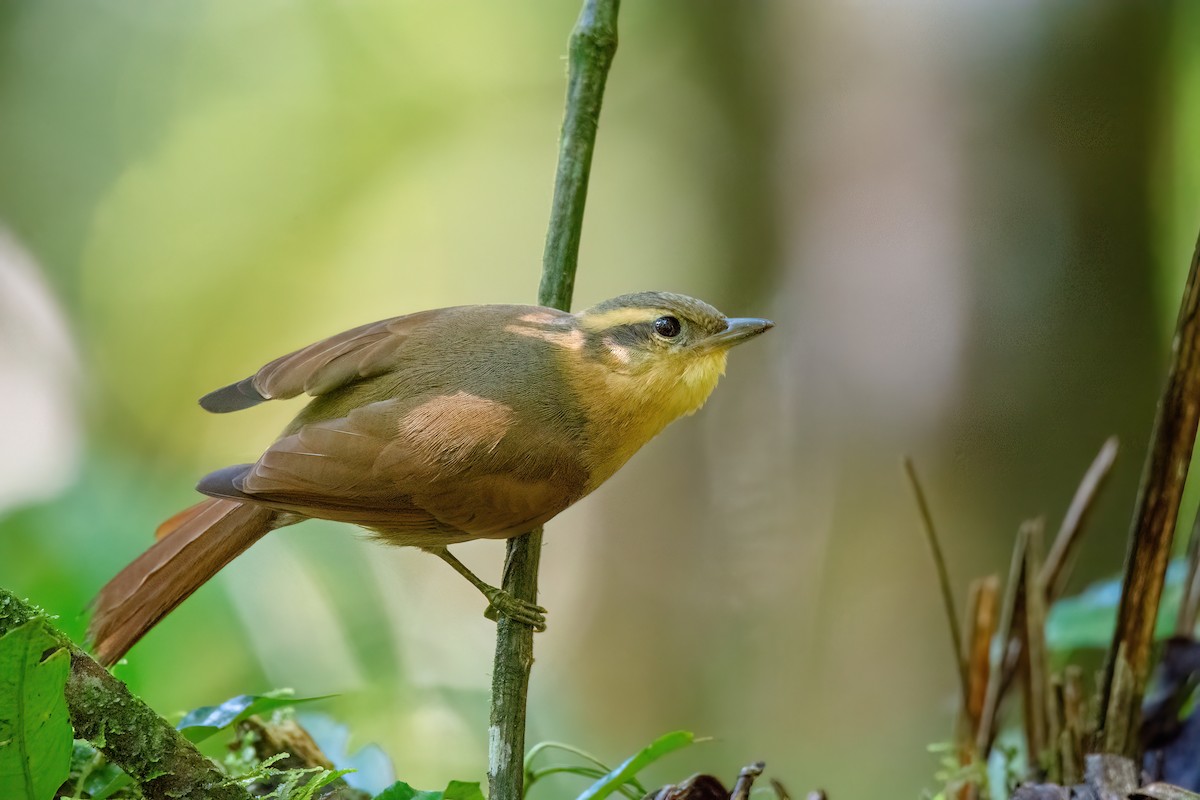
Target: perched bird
473,422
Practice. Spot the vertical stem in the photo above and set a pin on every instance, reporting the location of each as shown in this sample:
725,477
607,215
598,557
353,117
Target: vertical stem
1075,724
1054,570
982,620
1033,650
592,46
1154,518
1013,598
510,673
943,574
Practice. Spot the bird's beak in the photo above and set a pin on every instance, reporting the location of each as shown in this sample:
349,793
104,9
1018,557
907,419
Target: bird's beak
737,331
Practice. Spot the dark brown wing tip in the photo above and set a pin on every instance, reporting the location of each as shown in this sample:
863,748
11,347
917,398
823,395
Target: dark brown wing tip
225,482
233,397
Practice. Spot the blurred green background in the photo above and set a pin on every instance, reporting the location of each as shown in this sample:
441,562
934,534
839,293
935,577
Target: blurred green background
970,223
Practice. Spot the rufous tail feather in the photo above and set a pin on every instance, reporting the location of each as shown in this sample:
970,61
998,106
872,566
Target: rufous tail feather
192,547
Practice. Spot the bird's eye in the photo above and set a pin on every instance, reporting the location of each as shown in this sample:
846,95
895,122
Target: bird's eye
667,327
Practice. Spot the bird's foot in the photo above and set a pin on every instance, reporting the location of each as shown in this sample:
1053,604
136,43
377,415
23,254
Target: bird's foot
503,604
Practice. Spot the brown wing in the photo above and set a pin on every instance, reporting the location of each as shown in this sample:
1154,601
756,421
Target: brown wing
361,352
443,464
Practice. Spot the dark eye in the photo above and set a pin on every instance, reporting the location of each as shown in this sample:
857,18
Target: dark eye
667,327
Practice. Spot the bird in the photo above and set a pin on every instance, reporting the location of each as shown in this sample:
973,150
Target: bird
435,428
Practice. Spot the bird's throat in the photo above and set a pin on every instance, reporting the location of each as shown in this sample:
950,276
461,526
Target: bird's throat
630,410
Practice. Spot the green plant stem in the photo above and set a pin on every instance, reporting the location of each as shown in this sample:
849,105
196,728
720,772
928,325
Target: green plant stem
126,730
1155,513
592,46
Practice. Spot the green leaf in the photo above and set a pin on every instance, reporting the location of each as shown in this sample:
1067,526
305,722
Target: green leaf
455,790
35,731
532,775
201,723
93,773
302,784
1087,620
112,787
628,770
462,790
402,791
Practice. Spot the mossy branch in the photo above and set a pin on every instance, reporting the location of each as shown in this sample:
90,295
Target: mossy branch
592,46
126,730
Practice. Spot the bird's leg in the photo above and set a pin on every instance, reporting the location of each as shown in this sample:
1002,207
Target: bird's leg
500,602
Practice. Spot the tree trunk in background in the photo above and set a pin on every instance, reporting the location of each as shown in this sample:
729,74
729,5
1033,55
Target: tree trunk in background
1069,345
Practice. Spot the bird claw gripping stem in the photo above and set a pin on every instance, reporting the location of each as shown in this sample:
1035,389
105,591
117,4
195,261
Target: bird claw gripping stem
501,603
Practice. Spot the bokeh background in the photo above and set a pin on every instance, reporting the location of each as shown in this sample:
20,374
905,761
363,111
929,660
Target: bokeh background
970,221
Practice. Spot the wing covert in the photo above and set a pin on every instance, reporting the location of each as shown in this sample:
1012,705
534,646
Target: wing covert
362,352
451,463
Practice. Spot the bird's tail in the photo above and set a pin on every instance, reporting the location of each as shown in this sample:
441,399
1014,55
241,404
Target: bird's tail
192,546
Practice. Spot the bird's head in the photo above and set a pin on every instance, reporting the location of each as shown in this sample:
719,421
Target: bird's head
666,349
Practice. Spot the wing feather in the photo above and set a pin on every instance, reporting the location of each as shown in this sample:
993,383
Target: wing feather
322,367
429,467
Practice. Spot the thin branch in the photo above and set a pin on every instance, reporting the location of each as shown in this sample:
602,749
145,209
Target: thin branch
982,619
1153,527
745,781
1051,579
939,561
1033,648
1074,706
1054,571
1114,739
126,730
592,46
1014,591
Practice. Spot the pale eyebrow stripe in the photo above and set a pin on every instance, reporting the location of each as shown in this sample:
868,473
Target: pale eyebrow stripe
619,316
